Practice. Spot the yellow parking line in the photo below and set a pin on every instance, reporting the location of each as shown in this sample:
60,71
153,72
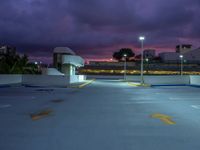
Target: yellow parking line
164,118
84,84
41,114
87,83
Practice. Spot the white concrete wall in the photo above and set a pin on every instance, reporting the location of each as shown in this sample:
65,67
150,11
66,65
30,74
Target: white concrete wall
133,78
73,60
10,79
82,78
195,80
156,80
51,71
77,78
41,80
45,80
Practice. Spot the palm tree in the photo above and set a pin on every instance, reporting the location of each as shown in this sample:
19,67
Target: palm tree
16,65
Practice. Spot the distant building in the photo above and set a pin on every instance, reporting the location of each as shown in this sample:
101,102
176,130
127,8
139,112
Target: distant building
192,56
149,53
7,50
169,57
183,48
66,61
189,55
110,64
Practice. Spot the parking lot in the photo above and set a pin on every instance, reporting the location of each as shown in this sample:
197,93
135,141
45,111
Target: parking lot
104,115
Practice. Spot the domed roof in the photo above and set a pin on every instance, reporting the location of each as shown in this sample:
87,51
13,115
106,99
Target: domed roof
64,50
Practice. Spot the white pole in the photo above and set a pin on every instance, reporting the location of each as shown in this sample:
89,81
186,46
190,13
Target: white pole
142,63
181,66
125,68
181,57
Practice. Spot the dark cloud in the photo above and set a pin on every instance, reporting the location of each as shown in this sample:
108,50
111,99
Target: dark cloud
92,27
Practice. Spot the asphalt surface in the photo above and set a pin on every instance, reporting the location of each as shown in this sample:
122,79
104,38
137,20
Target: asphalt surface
105,115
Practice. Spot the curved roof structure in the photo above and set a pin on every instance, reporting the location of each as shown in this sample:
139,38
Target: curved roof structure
73,60
64,50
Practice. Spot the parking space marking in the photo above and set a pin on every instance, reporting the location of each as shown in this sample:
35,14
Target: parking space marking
182,98
83,85
87,83
175,98
41,114
164,118
146,102
195,106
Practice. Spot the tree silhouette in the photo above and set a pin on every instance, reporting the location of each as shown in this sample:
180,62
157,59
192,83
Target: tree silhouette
14,64
123,51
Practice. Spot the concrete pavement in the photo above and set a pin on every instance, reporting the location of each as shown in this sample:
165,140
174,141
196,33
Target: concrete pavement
105,115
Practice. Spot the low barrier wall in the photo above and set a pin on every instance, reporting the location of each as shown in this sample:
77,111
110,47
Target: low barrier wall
51,71
41,80
195,80
168,80
10,79
45,80
156,80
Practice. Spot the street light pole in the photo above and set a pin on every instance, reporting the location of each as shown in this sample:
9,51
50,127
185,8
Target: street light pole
142,38
147,67
125,55
181,56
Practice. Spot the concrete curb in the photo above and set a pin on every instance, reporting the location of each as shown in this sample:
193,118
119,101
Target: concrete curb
138,84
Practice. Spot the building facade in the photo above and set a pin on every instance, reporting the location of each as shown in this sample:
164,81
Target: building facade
66,61
7,50
183,48
189,55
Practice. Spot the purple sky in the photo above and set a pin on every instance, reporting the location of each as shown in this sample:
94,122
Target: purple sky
96,28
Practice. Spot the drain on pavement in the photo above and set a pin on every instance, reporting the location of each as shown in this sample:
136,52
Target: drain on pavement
45,90
57,101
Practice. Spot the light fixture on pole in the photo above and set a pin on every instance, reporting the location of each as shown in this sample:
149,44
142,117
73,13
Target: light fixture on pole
181,57
142,38
125,55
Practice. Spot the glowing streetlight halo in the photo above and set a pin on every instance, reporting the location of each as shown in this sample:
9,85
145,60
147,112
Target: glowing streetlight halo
141,38
125,55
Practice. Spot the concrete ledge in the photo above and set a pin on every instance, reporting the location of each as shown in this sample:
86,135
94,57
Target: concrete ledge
65,81
138,84
9,79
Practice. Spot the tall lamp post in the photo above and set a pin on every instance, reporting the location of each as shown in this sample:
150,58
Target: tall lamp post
181,57
125,55
142,38
147,67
